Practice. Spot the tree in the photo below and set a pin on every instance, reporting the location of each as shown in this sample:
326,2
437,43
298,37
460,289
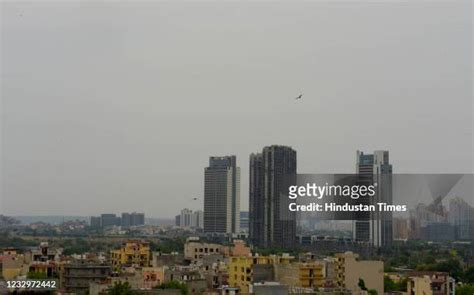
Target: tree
465,290
362,284
390,285
469,275
372,292
36,275
121,289
174,285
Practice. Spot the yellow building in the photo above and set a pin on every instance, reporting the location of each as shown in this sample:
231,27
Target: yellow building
244,270
349,270
311,274
132,253
12,266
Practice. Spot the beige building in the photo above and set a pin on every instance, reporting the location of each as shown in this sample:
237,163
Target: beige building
307,275
12,266
76,277
430,283
195,250
349,270
238,248
400,228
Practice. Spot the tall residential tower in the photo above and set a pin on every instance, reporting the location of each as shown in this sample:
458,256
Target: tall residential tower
222,195
270,221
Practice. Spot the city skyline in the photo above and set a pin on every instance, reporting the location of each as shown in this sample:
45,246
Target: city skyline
126,102
461,185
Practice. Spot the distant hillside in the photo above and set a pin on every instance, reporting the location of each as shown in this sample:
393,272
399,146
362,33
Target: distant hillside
59,219
49,219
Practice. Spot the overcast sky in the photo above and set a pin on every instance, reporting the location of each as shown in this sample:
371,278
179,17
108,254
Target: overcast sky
116,106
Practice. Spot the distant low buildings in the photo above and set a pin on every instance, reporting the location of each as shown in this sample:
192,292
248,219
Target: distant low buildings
132,219
189,219
434,222
96,222
110,220
107,220
439,231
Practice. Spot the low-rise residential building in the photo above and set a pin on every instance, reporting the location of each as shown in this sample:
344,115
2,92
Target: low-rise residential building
245,270
430,283
307,275
76,277
349,270
195,249
43,253
166,259
152,276
238,248
269,288
132,253
13,266
47,269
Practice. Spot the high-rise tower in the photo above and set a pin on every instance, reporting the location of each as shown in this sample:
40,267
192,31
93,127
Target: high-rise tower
222,195
271,172
375,227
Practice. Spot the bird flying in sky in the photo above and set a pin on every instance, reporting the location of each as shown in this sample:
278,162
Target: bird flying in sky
299,96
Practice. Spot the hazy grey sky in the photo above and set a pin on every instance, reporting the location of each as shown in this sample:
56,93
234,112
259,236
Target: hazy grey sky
116,106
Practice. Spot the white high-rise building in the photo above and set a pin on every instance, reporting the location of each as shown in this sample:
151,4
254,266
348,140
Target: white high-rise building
197,220
186,217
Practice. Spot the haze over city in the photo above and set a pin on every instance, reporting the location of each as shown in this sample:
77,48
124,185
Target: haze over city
117,106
